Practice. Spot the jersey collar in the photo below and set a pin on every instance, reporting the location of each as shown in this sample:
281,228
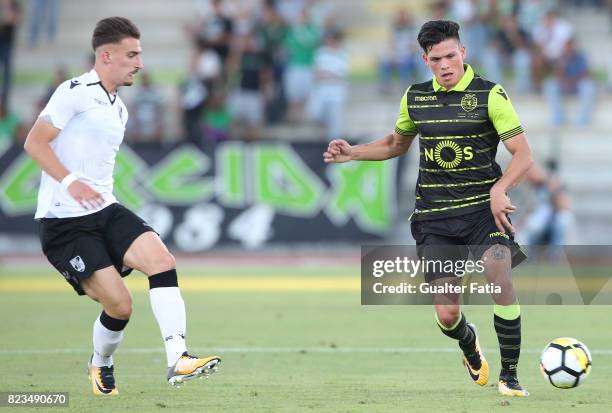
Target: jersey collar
95,80
93,77
467,78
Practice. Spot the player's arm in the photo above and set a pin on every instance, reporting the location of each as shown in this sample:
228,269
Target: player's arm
508,126
381,149
519,165
390,146
37,145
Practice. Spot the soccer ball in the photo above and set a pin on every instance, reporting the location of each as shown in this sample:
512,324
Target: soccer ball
565,362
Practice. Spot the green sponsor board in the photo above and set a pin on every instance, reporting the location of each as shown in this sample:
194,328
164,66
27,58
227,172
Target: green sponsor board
290,180
19,186
364,191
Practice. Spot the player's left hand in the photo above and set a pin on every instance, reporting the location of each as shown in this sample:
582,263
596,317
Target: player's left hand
500,207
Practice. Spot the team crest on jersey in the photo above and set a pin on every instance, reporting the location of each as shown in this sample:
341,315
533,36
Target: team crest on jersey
78,263
469,102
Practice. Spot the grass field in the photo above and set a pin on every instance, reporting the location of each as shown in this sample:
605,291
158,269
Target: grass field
289,343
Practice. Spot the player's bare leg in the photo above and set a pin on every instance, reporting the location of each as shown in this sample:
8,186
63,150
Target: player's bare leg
106,287
506,319
149,255
453,324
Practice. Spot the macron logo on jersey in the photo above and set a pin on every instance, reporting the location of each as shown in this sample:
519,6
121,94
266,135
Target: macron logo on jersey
74,83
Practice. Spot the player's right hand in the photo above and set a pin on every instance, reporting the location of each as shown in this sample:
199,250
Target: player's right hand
85,195
338,151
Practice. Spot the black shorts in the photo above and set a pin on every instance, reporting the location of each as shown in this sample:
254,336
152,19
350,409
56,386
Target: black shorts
454,238
81,245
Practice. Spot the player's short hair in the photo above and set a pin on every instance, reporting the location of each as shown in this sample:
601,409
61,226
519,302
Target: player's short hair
113,30
437,31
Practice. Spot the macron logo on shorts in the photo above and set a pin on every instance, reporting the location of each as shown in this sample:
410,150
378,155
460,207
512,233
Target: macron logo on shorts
498,234
77,263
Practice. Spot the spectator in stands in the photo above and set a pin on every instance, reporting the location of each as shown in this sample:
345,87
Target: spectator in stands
551,221
572,76
471,15
273,29
10,14
147,114
403,55
247,101
217,118
550,37
530,13
12,129
216,30
192,97
204,77
326,103
515,51
493,57
43,12
301,42
208,65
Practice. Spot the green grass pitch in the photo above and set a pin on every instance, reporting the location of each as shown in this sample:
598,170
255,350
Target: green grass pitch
286,349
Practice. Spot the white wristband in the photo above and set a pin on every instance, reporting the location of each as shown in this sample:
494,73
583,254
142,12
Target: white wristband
68,179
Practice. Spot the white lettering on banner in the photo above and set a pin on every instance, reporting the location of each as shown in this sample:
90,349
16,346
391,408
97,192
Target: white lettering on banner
201,228
253,227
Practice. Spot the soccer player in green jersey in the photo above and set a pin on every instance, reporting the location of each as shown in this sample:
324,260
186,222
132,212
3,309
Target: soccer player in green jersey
461,192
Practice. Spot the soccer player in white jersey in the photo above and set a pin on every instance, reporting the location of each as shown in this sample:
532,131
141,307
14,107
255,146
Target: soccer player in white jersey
92,240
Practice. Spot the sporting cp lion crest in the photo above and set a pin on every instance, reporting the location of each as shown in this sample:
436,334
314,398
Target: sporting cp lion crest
469,102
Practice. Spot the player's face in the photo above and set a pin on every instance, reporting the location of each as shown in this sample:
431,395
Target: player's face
445,60
126,61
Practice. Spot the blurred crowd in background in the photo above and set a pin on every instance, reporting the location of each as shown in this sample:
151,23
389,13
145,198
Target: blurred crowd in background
263,63
524,44
269,62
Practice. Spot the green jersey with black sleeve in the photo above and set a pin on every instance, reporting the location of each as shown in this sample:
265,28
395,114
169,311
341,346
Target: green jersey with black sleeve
459,131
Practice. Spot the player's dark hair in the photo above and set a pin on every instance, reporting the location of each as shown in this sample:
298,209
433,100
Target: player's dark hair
113,30
437,31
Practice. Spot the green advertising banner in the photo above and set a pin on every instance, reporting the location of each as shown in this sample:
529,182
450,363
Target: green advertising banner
251,194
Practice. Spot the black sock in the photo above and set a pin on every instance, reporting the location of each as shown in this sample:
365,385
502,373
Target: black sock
462,333
509,338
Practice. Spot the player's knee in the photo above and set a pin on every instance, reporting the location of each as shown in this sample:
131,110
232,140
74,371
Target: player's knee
124,311
121,310
163,262
448,316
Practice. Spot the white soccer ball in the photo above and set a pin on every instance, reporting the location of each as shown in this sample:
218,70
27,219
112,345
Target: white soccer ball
565,362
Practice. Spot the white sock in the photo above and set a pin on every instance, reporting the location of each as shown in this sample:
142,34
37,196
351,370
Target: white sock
169,309
105,342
